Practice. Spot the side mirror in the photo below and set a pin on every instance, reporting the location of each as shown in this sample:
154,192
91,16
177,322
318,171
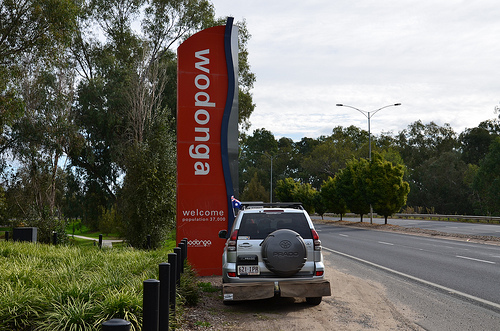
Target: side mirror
223,234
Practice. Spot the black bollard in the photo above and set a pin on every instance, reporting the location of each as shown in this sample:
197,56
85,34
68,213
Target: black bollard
164,277
54,238
172,260
183,248
6,235
151,304
177,251
148,241
116,324
186,242
100,241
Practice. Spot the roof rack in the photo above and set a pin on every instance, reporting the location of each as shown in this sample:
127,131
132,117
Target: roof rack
296,205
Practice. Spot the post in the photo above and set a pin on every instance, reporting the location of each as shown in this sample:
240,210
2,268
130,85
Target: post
6,235
151,304
148,241
181,246
116,324
172,260
100,241
186,242
177,251
164,277
54,238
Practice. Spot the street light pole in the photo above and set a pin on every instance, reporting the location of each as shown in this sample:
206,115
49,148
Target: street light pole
271,157
368,115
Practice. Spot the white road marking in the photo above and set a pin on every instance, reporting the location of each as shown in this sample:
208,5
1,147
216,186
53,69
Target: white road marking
384,243
422,281
343,235
473,259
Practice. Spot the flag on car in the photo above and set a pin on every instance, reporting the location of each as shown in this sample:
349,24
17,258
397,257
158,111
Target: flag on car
236,202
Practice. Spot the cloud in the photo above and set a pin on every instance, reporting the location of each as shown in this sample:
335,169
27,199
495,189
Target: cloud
439,59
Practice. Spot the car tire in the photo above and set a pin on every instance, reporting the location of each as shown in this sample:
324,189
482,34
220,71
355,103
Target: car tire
284,252
314,301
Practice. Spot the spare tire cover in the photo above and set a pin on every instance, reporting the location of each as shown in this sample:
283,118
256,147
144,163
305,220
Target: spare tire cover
284,252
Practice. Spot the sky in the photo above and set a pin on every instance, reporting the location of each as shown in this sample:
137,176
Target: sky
439,58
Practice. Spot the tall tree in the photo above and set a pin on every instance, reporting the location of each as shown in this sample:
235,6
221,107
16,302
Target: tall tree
420,142
147,199
487,181
32,34
332,153
475,144
256,152
41,139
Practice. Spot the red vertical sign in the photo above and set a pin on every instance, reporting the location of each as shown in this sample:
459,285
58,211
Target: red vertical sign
202,190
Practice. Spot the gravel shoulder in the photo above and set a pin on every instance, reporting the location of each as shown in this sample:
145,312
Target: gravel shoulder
355,304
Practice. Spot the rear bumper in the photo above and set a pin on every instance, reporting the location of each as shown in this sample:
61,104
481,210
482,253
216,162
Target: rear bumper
264,290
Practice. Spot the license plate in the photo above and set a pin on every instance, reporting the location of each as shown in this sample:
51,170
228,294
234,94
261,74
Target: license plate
248,270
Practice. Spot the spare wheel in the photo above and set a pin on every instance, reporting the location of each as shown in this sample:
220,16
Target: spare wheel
284,252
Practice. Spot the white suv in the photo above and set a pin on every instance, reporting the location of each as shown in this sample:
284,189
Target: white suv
273,249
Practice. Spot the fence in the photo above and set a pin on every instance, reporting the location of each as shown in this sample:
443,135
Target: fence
158,295
489,219
439,217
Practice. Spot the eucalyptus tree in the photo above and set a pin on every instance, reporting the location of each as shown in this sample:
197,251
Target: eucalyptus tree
32,34
36,94
420,142
256,152
332,153
475,142
487,181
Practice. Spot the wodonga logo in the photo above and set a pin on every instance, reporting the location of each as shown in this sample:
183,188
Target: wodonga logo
199,243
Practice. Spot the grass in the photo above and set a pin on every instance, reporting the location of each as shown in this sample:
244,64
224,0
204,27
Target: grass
47,287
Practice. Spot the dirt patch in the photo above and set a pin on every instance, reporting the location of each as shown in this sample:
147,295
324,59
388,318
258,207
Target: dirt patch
355,304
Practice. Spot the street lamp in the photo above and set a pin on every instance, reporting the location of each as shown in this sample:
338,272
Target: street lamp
368,115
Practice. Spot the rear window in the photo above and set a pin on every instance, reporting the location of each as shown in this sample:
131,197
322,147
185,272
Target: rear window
260,225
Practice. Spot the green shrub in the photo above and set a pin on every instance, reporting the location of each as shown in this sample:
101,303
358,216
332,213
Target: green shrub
189,291
47,287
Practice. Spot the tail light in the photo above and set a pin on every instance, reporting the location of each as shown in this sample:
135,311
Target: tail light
231,244
317,242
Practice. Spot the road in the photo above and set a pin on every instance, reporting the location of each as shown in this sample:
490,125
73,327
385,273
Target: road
478,229
446,284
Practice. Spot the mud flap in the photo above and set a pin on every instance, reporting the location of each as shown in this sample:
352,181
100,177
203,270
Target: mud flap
318,288
247,291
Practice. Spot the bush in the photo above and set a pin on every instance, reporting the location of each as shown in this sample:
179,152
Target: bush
189,291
